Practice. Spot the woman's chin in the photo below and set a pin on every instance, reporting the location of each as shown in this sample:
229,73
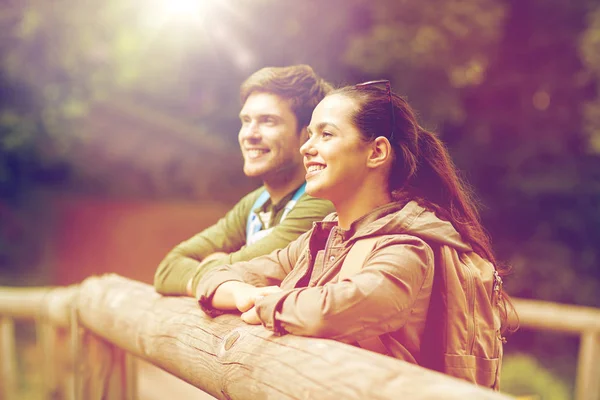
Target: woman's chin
314,190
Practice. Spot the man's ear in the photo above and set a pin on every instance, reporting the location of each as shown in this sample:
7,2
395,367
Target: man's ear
381,152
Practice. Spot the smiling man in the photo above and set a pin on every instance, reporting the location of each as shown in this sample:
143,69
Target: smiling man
277,106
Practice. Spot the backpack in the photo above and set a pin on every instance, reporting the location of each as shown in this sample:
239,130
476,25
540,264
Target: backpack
479,360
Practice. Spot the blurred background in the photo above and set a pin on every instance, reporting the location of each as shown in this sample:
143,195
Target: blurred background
118,125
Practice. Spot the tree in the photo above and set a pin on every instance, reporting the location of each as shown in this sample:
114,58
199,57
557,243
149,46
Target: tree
507,84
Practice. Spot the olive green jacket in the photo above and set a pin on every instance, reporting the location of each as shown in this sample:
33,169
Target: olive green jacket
228,235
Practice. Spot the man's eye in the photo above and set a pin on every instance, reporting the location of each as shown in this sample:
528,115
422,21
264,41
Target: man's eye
326,134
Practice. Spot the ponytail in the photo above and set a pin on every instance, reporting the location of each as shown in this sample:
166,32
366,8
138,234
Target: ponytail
437,184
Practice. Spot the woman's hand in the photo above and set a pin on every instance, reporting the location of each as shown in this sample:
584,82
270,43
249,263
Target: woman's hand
251,317
235,295
246,296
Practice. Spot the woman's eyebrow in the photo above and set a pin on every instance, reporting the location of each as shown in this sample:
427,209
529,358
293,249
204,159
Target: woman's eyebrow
322,125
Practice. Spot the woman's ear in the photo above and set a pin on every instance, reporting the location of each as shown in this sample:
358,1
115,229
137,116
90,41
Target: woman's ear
381,152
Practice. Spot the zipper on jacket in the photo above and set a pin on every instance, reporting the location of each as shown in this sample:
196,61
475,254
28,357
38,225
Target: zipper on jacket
326,252
470,289
496,304
308,269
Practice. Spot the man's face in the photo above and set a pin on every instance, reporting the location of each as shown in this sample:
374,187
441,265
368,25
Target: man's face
269,137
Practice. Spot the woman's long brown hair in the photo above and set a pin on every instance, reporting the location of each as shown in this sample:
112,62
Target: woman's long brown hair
422,168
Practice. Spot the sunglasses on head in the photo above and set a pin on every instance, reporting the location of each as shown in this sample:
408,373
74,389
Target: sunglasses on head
388,88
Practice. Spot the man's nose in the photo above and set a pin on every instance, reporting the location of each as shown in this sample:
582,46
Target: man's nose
250,131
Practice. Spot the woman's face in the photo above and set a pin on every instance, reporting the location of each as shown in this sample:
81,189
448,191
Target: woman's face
335,156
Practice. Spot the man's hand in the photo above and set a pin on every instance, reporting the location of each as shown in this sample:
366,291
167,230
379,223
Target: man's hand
213,256
210,257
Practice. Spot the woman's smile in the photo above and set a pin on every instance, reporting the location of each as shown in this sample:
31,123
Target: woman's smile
313,169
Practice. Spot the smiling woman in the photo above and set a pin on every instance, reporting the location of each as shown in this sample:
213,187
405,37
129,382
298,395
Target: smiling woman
404,268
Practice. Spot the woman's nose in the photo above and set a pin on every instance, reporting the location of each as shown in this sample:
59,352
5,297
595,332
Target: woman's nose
307,148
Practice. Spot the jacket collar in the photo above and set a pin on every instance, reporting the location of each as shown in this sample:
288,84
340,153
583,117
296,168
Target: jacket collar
397,218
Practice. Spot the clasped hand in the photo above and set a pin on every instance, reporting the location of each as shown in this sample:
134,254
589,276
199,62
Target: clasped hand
245,298
232,295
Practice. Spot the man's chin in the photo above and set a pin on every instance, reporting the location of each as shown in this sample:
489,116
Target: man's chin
252,172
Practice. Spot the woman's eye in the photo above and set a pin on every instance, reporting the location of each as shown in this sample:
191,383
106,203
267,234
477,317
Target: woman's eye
326,134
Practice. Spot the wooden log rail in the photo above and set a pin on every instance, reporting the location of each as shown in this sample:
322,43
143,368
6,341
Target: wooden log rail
582,321
231,360
50,308
110,316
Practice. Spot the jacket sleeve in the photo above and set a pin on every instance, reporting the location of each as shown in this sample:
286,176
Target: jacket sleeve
181,263
375,301
298,221
268,270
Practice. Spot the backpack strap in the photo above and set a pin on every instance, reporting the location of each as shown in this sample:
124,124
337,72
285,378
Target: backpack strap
253,223
290,204
352,264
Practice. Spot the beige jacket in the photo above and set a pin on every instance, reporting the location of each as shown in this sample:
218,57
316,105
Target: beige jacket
389,297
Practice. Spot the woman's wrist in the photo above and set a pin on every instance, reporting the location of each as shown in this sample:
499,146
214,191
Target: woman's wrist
231,295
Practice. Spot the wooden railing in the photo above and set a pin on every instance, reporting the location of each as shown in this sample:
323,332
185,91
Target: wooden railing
50,308
582,321
111,319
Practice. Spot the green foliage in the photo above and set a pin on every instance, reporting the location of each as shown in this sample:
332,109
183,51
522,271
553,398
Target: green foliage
531,162
431,49
590,54
522,375
511,85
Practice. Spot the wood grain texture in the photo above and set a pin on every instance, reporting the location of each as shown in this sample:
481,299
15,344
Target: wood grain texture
231,360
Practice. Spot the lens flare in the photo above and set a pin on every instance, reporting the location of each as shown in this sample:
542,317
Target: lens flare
183,24
184,8
186,12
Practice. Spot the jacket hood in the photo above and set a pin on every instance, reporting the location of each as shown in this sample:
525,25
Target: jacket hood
411,219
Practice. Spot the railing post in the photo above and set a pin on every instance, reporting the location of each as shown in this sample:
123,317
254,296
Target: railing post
587,386
8,373
131,377
46,341
122,384
56,360
102,370
75,357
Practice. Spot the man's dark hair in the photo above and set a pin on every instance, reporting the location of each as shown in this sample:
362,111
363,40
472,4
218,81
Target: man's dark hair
298,84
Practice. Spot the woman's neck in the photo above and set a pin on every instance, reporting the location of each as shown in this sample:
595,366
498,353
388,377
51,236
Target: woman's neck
362,203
